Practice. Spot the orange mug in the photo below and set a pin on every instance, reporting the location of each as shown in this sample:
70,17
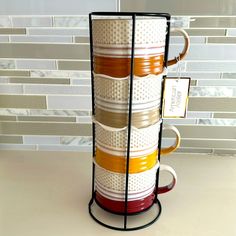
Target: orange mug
112,46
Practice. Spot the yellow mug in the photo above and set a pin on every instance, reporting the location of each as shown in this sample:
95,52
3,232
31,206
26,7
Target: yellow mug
116,163
142,142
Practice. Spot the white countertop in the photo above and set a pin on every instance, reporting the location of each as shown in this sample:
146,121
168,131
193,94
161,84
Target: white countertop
47,194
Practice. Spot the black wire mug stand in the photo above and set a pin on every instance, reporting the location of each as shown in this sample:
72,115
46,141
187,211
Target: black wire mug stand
156,201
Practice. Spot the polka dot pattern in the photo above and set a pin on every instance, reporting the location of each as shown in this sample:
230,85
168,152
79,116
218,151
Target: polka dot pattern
119,31
116,182
141,139
117,90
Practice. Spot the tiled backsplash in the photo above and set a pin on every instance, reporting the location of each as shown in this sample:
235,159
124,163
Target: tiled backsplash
45,101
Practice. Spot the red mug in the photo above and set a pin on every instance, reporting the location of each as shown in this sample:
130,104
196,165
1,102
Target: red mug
114,202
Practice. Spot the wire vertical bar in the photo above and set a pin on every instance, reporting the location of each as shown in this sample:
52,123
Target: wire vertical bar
129,119
167,16
92,88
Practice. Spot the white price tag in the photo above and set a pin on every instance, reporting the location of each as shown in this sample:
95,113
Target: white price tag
175,97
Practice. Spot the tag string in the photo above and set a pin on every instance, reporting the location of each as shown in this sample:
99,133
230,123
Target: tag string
178,67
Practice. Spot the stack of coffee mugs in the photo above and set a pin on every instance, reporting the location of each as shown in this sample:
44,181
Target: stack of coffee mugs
111,61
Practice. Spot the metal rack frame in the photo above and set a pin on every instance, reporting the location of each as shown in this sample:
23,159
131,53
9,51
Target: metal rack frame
133,16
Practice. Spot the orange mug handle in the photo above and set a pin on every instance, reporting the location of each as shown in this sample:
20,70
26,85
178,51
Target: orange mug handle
172,148
186,46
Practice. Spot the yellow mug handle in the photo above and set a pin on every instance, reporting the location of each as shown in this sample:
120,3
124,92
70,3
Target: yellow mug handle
186,46
172,148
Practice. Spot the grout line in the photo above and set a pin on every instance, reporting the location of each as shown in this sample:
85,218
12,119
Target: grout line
218,36
85,15
118,5
11,22
24,89
207,16
221,75
15,64
226,32
26,34
53,21
56,64
185,66
58,27
49,43
43,59
208,28
46,98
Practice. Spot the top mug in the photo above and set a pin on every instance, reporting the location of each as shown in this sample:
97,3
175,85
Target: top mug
112,44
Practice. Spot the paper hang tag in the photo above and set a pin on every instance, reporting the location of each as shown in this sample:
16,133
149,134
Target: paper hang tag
175,97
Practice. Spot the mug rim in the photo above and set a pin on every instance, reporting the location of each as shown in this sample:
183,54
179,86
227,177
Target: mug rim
123,107
122,153
138,46
123,52
140,18
102,106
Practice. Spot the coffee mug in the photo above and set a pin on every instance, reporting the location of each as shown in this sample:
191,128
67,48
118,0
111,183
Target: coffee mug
112,46
111,195
114,93
115,182
142,141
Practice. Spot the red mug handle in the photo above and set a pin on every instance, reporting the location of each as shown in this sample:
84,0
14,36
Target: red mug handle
168,187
